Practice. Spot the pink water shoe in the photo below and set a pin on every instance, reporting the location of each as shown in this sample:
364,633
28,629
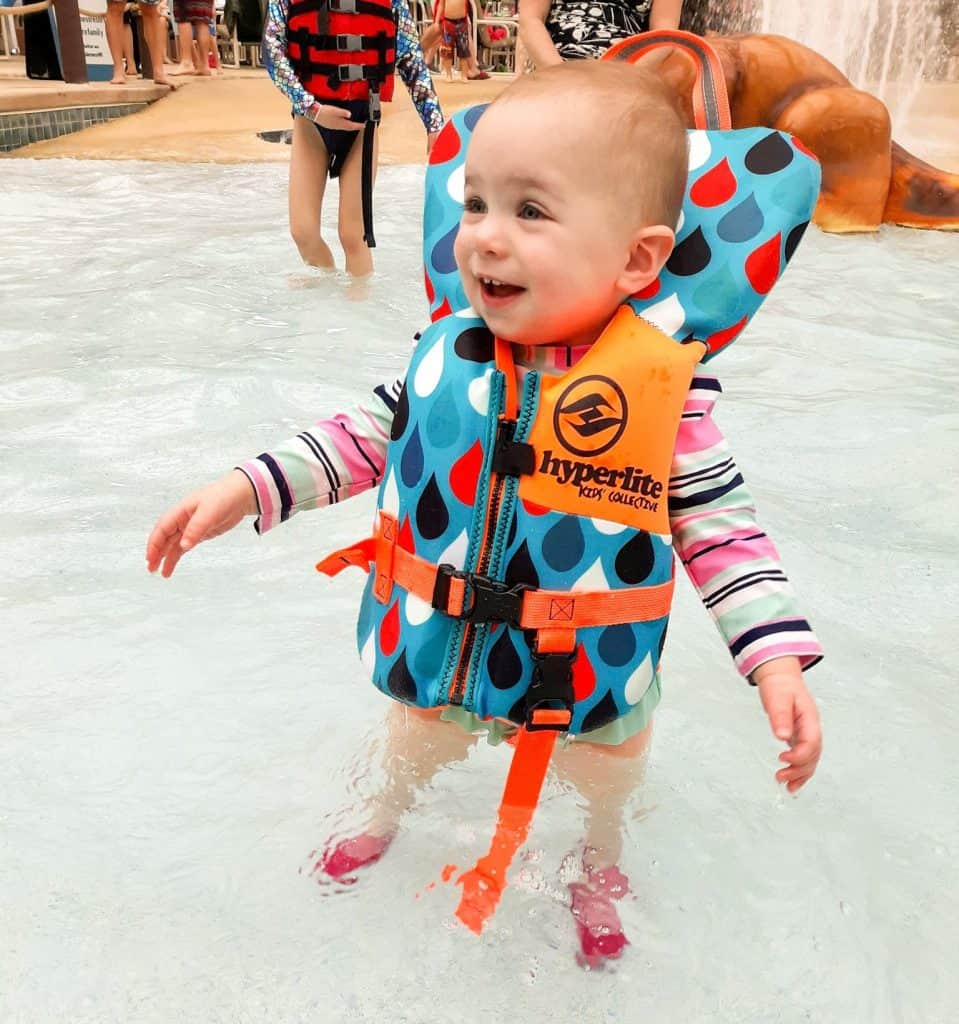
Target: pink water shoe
598,926
342,860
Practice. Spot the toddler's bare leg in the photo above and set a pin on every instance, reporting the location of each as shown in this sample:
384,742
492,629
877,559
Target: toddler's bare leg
605,777
417,746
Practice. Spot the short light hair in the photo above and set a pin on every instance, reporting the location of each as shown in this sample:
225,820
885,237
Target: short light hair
637,132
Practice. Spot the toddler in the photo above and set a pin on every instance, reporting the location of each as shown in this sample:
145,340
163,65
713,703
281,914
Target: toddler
548,249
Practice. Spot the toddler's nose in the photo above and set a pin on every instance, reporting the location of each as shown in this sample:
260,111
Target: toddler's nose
490,237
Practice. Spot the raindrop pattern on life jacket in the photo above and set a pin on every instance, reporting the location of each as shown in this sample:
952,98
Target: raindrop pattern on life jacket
743,222
401,683
760,185
443,422
617,644
432,515
563,545
503,664
464,476
411,465
635,559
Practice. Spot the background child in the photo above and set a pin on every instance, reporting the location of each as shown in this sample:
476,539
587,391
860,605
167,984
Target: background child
326,147
546,256
453,19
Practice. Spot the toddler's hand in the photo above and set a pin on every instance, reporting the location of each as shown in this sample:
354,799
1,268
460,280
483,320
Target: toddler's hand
793,718
200,516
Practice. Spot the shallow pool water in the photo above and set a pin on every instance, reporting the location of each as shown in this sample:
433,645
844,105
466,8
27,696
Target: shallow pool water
172,751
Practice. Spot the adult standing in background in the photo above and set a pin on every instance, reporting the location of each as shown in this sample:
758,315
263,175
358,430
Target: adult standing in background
154,31
556,30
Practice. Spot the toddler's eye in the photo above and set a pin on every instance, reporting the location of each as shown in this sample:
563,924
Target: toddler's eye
529,212
474,205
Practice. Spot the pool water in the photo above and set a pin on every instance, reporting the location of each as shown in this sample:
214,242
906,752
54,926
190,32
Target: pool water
172,751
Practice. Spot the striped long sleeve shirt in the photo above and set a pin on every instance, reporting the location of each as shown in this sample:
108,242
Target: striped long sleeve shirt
731,562
410,65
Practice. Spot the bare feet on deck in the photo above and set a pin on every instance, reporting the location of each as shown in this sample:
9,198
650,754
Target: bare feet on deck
183,69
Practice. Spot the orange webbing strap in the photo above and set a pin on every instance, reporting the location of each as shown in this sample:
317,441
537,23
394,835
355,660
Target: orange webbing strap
359,556
483,885
549,611
710,102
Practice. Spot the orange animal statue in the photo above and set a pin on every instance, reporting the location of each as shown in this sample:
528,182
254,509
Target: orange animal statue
867,178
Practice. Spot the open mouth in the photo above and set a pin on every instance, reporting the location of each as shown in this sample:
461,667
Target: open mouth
494,290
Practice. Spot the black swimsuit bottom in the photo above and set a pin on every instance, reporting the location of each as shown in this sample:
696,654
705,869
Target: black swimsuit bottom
339,143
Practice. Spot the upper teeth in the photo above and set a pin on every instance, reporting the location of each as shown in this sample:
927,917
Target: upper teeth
490,281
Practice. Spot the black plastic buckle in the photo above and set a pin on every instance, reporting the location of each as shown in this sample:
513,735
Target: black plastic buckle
511,458
486,600
349,44
343,6
551,688
374,110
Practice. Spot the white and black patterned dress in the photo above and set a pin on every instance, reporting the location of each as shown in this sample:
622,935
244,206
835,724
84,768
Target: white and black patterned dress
584,29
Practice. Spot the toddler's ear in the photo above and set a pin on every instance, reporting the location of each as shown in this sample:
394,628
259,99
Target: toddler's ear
648,251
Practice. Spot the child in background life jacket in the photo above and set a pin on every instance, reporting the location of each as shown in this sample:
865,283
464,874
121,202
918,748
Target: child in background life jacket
330,115
453,18
547,253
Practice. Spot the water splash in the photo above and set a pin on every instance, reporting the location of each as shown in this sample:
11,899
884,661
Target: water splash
887,47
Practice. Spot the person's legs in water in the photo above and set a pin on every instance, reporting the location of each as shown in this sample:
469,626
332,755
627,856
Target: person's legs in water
359,257
605,777
309,164
417,746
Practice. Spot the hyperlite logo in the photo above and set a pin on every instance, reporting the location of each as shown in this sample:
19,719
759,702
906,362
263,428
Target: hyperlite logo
629,486
590,416
589,419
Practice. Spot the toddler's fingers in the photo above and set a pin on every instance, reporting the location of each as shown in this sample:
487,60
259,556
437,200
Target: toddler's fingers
168,529
201,526
793,779
802,753
170,560
780,712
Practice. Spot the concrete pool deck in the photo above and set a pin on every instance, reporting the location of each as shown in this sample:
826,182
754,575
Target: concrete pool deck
212,120
216,120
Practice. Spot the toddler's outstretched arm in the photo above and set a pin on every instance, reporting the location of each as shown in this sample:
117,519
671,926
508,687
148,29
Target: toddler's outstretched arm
333,460
200,516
